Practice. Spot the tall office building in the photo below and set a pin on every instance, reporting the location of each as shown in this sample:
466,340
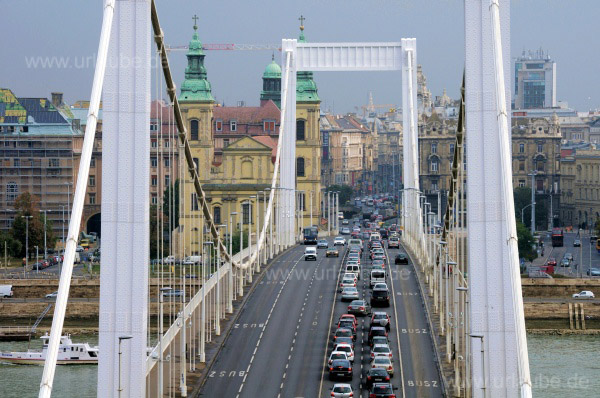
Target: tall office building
535,81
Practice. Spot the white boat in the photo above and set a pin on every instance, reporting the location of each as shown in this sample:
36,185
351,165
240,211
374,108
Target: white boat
69,353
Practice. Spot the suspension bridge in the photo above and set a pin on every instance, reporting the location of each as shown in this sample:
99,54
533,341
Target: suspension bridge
465,269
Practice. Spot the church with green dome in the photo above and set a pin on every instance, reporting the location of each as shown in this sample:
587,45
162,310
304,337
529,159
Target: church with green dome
234,147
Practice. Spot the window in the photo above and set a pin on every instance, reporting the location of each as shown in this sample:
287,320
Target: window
167,180
521,166
247,213
167,143
194,130
93,162
540,147
217,215
434,147
268,125
301,205
219,124
153,162
300,130
154,143
521,183
167,162
12,191
92,181
56,163
539,185
225,142
434,185
300,167
154,181
92,197
434,166
17,162
194,204
233,125
521,148
451,149
154,199
540,165
153,126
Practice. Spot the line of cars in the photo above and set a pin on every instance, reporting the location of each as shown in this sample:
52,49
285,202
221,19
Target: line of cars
342,356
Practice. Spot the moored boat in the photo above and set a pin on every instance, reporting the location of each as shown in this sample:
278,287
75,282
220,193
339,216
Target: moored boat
69,353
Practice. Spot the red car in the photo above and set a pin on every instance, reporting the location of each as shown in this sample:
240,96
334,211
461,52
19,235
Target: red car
551,262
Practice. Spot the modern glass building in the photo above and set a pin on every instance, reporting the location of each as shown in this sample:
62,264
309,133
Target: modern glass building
535,81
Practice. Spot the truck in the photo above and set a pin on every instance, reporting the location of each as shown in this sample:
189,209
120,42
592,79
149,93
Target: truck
557,237
6,291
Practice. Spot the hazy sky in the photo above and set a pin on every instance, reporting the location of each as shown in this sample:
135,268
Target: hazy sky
70,29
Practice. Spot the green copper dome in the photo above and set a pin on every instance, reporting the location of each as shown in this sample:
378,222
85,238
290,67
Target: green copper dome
306,88
272,71
195,87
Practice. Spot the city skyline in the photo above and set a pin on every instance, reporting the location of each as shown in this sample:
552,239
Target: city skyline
235,75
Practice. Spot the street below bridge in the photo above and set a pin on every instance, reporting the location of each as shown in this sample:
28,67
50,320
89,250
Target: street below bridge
279,345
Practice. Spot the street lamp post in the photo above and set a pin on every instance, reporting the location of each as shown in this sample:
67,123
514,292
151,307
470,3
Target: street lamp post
27,240
45,228
532,174
230,300
121,338
481,338
522,214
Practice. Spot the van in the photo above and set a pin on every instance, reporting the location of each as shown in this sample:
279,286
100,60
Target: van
377,276
374,236
6,291
310,253
354,268
355,242
191,260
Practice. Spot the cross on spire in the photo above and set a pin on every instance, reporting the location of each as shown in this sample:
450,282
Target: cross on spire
195,18
301,19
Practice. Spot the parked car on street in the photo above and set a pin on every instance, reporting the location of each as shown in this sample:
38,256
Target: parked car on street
585,294
593,272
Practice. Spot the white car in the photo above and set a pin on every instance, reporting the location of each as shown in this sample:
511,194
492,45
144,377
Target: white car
337,355
340,390
383,362
349,282
585,294
339,241
349,294
350,275
310,253
347,348
52,295
381,350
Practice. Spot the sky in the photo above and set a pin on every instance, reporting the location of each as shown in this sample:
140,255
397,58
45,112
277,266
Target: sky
35,31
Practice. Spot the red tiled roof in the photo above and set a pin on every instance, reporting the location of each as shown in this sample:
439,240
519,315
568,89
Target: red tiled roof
271,142
248,114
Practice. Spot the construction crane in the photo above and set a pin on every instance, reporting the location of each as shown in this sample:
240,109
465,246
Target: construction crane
230,47
370,108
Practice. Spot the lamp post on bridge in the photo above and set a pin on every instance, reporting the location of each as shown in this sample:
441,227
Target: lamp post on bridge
218,300
209,245
231,286
121,338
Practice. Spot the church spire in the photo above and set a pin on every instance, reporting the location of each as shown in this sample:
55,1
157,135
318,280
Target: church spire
196,86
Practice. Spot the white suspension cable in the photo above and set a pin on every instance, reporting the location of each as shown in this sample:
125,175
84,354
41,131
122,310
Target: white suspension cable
78,201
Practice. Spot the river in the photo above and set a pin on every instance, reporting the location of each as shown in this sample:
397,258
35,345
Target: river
561,366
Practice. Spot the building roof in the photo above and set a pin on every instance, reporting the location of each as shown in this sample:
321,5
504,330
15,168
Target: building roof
269,141
248,114
273,70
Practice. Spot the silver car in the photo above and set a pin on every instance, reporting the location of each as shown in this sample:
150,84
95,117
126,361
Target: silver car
340,390
349,294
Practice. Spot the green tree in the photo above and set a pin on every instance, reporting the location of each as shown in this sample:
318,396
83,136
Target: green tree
153,229
13,246
27,205
346,192
526,242
171,205
522,197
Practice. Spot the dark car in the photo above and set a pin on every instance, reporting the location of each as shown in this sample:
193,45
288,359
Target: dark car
347,323
379,340
340,368
384,233
382,390
332,252
377,331
577,243
401,258
381,319
377,375
380,297
345,340
343,332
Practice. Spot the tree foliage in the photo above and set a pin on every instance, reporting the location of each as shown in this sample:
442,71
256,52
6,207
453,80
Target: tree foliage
171,205
346,192
27,205
522,197
526,242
